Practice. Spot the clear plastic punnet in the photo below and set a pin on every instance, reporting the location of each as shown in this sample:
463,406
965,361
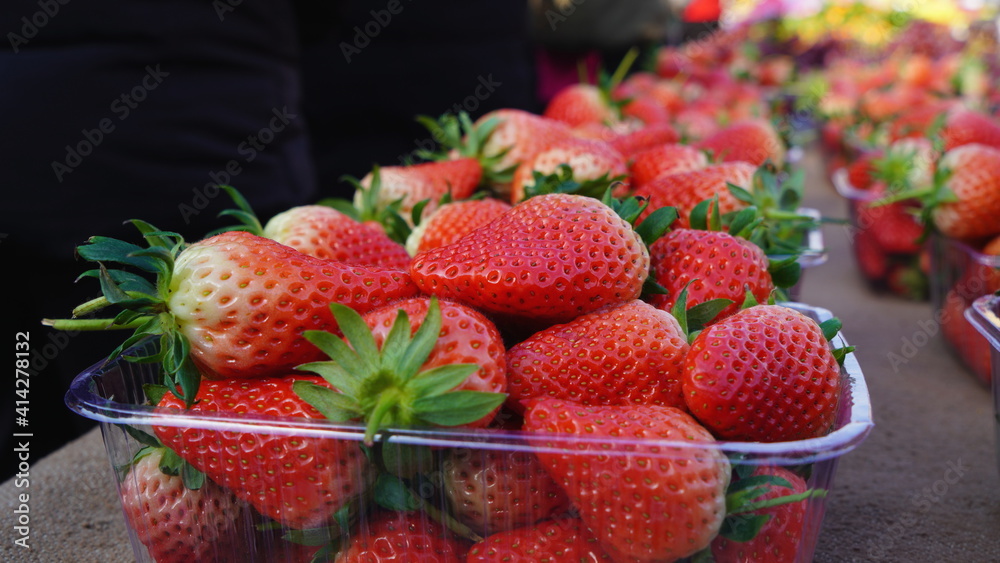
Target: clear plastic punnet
436,477
984,314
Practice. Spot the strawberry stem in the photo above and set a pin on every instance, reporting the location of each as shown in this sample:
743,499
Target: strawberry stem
93,324
387,401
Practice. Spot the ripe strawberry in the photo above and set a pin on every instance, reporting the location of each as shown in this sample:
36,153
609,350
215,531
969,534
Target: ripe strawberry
717,265
970,346
491,491
642,502
907,281
895,228
632,143
550,541
325,233
465,337
778,540
300,481
906,164
453,221
426,181
231,306
686,190
578,104
176,523
974,182
666,159
765,374
697,122
646,110
919,121
872,260
589,160
537,262
517,136
964,127
403,537
622,354
861,171
752,140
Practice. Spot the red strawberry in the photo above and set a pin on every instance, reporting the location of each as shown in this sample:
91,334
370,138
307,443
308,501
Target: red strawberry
546,542
518,135
466,337
538,262
753,140
425,181
403,537
974,181
765,374
491,490
907,281
778,540
325,233
717,265
300,481
630,144
234,305
453,221
697,122
965,127
872,260
896,229
642,502
588,159
663,160
686,190
623,354
645,109
969,345
861,171
578,104
916,122
176,523
243,302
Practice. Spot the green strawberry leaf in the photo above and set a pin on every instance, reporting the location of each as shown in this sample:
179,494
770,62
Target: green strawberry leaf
127,281
346,366
141,437
743,222
356,332
786,272
743,527
840,353
104,249
441,379
335,406
656,224
698,218
170,463
341,205
830,328
335,375
457,407
391,493
154,393
312,537
740,193
704,313
749,300
192,477
423,341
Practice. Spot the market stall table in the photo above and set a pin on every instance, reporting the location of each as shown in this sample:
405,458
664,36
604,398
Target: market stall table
923,487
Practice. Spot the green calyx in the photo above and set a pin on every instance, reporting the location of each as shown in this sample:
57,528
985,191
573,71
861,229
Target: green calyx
142,304
562,182
775,224
243,213
458,133
170,463
653,226
368,206
693,320
831,328
386,387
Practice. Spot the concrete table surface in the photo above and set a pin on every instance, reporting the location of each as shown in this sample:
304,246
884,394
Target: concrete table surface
923,487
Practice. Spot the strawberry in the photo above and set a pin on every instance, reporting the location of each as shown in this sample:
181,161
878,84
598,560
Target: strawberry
711,265
550,541
515,136
685,190
231,306
452,221
539,261
753,140
589,160
697,122
765,374
300,481
964,127
176,523
906,164
646,110
872,260
328,234
491,491
970,346
630,353
666,159
642,502
632,143
971,208
403,537
861,171
426,181
895,228
907,281
778,540
578,104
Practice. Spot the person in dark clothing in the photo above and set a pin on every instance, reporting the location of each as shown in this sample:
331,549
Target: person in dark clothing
112,111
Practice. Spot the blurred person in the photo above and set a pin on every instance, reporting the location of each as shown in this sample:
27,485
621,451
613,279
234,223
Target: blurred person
113,111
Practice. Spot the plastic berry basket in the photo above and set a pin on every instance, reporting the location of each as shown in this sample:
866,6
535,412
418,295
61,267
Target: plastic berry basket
112,393
959,275
814,251
984,314
886,271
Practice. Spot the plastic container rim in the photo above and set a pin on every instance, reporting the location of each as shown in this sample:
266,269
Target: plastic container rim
983,315
82,399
